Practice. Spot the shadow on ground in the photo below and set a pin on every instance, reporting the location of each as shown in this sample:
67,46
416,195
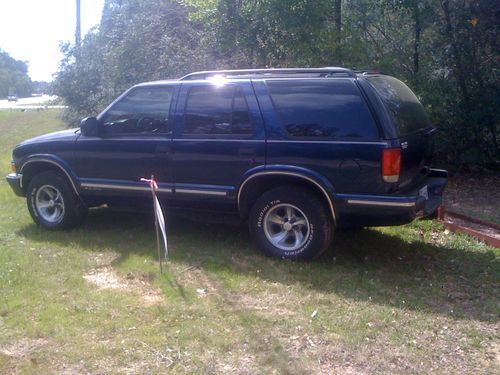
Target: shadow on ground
365,265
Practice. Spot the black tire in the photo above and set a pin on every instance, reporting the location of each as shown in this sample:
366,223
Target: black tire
310,229
52,203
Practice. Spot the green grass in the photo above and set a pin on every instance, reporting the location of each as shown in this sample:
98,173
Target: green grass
410,299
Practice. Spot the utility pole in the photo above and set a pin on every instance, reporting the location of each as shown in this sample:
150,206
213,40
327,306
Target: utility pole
78,33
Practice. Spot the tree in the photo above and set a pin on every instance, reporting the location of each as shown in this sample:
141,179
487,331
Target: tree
136,41
446,50
14,79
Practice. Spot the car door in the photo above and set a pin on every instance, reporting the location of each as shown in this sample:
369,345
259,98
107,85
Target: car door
218,137
135,143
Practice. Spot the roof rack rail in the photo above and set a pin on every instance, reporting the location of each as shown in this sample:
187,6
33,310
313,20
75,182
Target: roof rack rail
369,71
269,72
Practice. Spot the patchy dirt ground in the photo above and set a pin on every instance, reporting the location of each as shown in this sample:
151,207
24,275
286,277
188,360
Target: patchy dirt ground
23,347
104,277
474,196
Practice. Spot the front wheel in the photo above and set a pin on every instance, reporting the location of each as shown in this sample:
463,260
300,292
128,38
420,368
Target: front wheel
290,223
52,203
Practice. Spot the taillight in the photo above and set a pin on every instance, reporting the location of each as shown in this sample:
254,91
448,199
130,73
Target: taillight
13,167
391,164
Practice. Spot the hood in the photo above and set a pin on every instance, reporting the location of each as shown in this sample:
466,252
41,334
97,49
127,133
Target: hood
63,135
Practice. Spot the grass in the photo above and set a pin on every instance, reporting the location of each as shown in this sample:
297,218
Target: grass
410,299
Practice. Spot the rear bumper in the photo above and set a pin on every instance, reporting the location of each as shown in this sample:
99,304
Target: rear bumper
378,210
435,183
14,180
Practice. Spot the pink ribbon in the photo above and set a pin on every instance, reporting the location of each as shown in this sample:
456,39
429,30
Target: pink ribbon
151,182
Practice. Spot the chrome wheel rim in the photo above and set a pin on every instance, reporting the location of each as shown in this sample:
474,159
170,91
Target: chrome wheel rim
286,227
49,204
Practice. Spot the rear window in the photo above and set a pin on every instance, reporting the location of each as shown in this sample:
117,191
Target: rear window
407,112
322,109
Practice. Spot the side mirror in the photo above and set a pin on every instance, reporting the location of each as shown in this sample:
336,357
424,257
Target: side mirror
90,127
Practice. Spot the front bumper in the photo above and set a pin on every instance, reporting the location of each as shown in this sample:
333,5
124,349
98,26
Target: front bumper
15,182
378,210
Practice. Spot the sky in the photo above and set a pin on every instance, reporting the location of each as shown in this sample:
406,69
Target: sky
31,30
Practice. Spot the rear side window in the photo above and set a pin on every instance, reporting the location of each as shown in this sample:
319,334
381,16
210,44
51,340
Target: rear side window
322,109
407,112
217,110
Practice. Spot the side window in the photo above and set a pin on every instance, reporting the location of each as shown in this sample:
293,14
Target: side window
144,110
407,112
217,110
322,109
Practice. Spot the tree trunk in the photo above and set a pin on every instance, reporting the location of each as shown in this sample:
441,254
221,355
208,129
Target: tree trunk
416,47
337,20
337,24
459,70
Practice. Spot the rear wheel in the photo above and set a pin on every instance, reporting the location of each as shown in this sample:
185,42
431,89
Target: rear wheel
290,223
52,203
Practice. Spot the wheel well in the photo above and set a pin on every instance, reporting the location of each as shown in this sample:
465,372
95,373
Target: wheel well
33,168
257,186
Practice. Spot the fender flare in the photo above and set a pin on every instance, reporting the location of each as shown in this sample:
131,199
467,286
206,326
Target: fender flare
53,160
323,186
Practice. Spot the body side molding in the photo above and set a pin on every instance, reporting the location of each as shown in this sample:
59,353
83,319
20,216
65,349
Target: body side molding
114,186
380,203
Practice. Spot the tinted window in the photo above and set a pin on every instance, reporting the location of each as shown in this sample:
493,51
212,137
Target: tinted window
217,110
406,111
241,118
144,110
322,109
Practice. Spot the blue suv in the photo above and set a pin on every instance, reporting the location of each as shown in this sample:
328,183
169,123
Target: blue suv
295,153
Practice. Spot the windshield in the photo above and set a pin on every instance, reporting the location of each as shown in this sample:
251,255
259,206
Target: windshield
407,112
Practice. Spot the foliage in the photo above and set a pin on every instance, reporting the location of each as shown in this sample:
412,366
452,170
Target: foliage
446,50
136,41
14,79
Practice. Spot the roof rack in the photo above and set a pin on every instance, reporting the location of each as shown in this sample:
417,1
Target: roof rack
369,71
323,72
